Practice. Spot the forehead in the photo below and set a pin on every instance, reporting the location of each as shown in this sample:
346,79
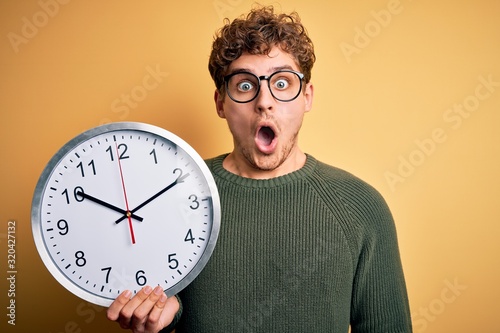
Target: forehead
264,64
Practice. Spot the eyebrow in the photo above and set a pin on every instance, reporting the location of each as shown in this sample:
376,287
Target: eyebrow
247,70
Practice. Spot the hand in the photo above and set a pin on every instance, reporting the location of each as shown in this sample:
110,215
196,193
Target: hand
108,205
147,312
175,182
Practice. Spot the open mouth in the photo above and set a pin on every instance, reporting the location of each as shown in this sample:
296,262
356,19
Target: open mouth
266,140
265,135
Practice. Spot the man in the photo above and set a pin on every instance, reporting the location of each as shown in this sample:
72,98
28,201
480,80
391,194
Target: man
303,246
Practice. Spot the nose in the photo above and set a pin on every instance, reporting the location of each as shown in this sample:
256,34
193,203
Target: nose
264,100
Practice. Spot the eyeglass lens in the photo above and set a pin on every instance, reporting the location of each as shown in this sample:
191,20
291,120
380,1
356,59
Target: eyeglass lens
244,87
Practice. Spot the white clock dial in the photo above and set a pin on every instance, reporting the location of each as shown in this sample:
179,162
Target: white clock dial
122,206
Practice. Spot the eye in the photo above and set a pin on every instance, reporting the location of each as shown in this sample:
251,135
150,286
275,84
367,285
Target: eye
245,86
281,84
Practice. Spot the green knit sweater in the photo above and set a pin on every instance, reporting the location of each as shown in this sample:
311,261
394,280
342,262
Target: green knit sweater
312,251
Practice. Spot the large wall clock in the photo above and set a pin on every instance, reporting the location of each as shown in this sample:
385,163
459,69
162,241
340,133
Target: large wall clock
122,206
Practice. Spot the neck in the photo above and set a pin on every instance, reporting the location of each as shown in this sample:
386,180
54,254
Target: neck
239,165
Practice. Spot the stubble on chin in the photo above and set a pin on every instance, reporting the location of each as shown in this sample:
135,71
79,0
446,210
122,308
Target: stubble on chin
269,162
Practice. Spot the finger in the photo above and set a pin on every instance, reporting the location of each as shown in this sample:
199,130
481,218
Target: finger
126,313
162,313
143,311
114,309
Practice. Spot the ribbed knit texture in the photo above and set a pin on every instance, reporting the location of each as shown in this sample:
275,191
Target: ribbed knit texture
312,251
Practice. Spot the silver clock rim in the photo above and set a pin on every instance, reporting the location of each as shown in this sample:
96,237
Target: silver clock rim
59,156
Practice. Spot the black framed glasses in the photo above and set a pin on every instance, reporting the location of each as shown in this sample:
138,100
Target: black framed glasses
243,87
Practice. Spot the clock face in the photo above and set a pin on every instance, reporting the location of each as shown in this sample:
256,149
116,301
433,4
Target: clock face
122,206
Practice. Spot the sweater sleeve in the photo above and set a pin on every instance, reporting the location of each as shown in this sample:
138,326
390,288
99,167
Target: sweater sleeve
379,297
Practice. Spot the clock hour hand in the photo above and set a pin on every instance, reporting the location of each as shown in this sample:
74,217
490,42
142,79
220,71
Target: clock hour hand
108,205
175,182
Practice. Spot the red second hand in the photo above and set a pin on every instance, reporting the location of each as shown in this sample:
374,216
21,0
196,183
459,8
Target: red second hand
125,195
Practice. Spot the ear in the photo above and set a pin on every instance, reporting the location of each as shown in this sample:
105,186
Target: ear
219,103
308,96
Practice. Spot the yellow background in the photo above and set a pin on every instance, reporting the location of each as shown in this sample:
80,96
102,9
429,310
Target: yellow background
390,76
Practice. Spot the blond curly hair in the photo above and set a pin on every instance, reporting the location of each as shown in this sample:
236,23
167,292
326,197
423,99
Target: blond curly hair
256,33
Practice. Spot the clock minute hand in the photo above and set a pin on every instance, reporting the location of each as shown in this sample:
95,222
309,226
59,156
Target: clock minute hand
108,205
175,182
